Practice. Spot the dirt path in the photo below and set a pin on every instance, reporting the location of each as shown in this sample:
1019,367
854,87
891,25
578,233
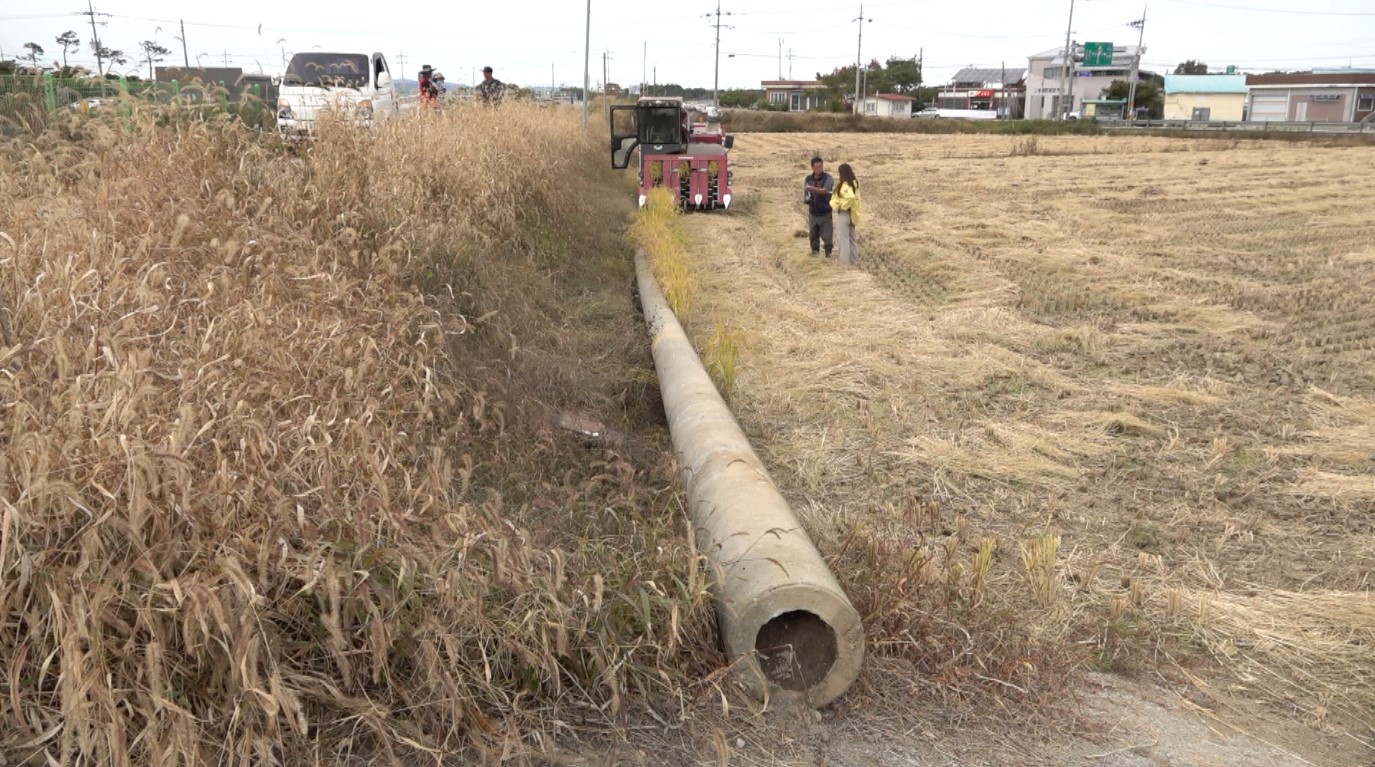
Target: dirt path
1153,359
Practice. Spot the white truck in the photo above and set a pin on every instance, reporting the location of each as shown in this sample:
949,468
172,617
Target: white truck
353,86
959,114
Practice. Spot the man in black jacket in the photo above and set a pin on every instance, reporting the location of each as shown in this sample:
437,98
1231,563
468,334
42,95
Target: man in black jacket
816,193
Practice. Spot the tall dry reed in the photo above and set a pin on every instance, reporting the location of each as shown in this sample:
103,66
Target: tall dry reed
276,478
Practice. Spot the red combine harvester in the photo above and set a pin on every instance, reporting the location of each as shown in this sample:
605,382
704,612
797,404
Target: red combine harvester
687,158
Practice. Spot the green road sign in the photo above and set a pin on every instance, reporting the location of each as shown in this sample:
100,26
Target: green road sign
1231,69
1097,54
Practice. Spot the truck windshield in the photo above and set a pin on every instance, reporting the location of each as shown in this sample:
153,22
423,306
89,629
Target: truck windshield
349,70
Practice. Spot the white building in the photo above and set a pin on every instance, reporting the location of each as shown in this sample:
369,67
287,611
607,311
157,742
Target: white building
1045,80
886,105
795,95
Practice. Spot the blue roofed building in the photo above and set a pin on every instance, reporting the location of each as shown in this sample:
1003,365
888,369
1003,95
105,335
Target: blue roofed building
1216,98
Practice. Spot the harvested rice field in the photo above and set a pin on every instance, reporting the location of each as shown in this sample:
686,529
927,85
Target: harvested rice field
1111,394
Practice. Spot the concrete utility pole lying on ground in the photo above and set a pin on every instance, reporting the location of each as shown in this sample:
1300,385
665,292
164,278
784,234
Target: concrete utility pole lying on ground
785,622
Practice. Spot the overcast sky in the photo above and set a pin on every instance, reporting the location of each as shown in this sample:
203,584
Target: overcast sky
521,39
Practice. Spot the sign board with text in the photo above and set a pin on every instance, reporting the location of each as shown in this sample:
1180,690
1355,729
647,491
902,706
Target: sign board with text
1097,54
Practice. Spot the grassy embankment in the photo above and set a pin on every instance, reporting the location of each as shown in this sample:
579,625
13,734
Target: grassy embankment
282,475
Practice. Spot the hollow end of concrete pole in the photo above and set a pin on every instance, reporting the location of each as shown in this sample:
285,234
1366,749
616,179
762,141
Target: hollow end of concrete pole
799,637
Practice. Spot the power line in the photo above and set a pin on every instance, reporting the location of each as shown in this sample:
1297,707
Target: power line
179,21
748,30
790,56
1255,9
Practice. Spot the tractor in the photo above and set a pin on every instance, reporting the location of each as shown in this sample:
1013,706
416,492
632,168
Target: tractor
685,157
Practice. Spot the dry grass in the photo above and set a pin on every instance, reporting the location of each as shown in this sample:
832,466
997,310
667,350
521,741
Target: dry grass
278,480
1311,648
658,229
1168,370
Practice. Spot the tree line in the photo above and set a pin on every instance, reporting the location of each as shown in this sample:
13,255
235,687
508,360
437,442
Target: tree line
150,53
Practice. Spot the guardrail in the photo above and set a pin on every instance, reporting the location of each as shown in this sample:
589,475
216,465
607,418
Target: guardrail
1367,127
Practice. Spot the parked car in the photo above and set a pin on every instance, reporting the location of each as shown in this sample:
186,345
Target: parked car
354,86
928,112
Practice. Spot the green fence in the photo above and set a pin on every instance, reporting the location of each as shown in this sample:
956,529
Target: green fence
27,102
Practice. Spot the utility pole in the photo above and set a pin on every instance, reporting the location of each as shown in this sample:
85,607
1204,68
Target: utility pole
859,47
716,79
587,63
780,58
185,57
606,82
644,69
401,63
790,62
95,38
1061,110
1136,64
226,58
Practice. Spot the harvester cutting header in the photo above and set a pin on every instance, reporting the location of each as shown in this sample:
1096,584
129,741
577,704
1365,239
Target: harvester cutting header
685,157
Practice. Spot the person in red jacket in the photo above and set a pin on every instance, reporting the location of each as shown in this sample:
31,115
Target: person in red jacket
429,89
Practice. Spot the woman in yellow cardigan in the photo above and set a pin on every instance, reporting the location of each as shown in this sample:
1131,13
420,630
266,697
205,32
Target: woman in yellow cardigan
845,202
